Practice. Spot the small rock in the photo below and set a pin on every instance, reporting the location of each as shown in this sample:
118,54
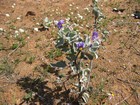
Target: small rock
13,6
37,24
7,15
16,32
36,29
21,30
1,30
18,18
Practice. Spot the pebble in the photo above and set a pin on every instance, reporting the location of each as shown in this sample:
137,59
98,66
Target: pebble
36,29
1,30
7,15
18,18
21,30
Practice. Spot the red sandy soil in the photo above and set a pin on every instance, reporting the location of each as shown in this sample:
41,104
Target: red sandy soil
116,72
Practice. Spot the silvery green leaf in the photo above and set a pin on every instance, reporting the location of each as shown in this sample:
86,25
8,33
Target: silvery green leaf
85,79
94,46
105,32
89,56
82,80
60,42
104,35
95,54
66,30
71,36
68,39
73,68
46,22
85,97
87,40
96,12
100,17
96,43
60,33
82,88
87,71
74,47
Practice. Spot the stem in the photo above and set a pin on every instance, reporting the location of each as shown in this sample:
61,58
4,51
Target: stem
78,69
76,60
95,19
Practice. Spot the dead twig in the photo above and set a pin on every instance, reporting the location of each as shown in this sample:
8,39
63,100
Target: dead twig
8,81
133,83
13,50
138,52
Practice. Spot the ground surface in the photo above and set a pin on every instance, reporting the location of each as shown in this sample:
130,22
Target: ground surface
24,57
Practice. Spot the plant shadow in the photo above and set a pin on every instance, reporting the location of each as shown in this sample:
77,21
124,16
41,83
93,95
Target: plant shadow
37,92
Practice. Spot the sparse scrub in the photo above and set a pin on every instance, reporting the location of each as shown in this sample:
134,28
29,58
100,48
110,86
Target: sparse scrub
30,59
49,52
14,46
53,53
1,46
6,67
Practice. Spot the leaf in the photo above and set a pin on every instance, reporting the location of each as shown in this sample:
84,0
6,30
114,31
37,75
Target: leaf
60,42
66,30
105,32
95,55
74,69
86,71
46,22
71,37
87,40
104,35
83,79
85,97
96,12
94,46
74,48
89,56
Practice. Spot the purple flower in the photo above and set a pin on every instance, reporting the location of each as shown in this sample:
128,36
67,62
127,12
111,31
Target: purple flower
80,45
94,35
59,24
